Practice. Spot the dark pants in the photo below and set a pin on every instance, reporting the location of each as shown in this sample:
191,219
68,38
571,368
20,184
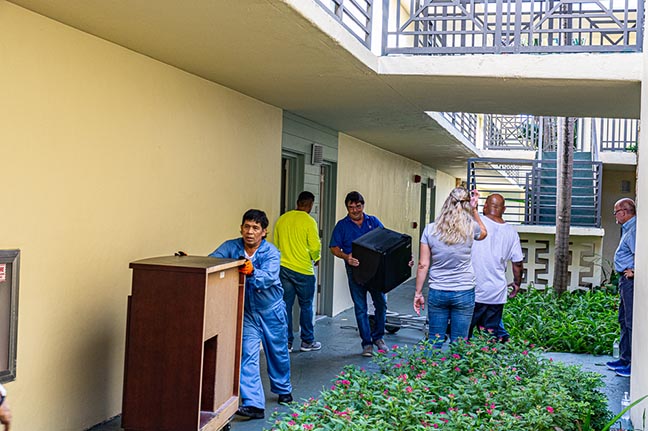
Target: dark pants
487,316
359,297
626,296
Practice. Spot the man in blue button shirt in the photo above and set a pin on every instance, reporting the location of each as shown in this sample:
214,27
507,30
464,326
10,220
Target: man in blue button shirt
624,264
347,230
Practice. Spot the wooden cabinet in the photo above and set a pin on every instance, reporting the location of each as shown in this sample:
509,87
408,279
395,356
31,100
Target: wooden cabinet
183,344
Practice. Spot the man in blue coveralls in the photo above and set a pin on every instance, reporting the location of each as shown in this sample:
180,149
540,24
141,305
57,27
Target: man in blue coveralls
347,230
264,319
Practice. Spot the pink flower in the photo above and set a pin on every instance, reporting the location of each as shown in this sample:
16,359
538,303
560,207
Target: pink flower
291,423
550,409
526,352
457,369
308,426
454,355
518,378
408,389
295,415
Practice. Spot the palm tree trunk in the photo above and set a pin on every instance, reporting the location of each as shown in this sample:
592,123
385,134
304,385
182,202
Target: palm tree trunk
564,177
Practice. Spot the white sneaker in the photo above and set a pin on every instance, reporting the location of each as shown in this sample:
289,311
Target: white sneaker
308,347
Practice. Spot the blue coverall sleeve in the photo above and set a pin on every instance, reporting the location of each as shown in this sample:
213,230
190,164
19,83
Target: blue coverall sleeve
266,269
225,251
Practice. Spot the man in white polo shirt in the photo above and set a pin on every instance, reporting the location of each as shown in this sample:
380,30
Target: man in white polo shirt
489,259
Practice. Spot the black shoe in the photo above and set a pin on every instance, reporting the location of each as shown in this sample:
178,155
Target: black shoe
251,412
285,399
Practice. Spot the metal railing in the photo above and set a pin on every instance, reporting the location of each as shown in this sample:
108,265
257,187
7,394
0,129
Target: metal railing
511,26
516,132
465,123
529,188
528,132
354,15
614,134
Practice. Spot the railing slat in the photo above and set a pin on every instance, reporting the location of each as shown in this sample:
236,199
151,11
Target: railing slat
514,26
529,188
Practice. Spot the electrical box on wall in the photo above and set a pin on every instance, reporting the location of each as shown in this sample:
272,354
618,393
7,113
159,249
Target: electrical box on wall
625,186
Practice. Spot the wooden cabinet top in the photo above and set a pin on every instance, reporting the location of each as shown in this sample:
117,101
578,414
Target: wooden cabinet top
200,264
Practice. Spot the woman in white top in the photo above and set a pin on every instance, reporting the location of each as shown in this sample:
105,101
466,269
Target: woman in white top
444,259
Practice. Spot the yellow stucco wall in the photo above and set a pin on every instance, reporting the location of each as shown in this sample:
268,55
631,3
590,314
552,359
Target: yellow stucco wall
445,184
610,194
639,379
386,182
108,157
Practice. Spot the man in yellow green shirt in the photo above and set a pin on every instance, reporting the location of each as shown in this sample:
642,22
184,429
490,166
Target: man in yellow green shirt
297,238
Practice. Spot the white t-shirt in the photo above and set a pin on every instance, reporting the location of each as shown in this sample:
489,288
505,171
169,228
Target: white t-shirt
489,259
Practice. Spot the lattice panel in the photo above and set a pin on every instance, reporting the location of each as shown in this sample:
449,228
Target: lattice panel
539,252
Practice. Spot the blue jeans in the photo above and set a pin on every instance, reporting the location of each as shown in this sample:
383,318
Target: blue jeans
626,294
359,297
302,286
456,306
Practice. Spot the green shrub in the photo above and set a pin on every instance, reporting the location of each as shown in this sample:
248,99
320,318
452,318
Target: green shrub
576,322
476,385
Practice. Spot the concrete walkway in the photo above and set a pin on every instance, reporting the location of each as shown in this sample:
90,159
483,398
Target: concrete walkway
313,371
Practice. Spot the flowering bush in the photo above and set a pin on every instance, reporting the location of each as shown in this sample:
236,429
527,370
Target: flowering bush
477,385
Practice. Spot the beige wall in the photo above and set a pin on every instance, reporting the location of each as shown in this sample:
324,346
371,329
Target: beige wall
108,157
612,179
639,379
386,182
445,184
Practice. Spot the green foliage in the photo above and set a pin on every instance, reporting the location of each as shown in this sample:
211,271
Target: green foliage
478,385
576,322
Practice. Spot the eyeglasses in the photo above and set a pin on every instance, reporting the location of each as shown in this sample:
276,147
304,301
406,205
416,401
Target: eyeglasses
616,211
357,206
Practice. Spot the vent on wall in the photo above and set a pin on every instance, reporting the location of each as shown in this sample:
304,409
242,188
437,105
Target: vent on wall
317,154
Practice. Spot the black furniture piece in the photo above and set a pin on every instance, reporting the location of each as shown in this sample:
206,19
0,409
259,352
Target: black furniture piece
384,257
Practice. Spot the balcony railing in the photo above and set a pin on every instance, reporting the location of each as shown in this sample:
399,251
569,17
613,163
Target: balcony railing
354,15
465,123
614,134
529,187
512,26
528,132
